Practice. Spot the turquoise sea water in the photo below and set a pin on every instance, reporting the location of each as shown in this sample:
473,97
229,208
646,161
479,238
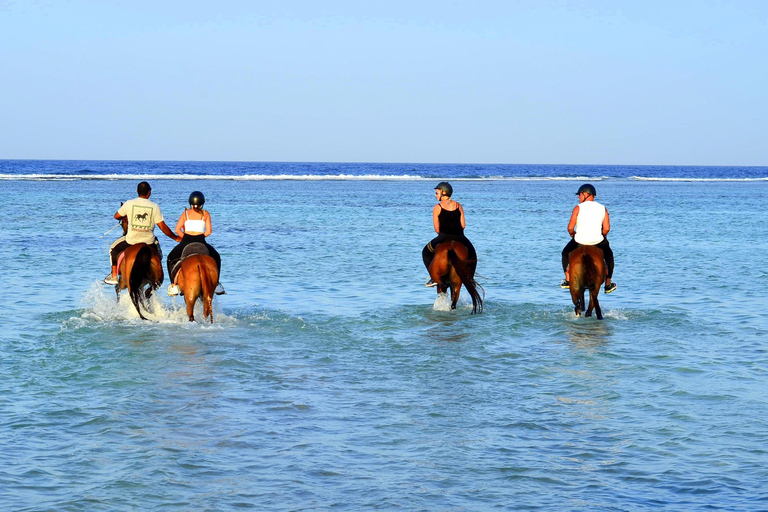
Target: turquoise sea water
332,379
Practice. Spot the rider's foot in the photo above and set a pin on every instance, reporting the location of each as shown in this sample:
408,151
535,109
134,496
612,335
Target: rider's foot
430,283
110,279
564,284
173,290
219,289
610,287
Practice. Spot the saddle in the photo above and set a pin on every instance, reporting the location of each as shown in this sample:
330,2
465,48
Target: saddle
190,250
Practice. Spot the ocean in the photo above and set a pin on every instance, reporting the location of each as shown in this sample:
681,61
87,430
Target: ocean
331,377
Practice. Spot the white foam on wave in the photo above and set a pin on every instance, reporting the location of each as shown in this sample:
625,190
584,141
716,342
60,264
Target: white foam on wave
646,178
212,177
281,177
349,177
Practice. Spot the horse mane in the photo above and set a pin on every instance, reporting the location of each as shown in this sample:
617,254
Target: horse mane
462,270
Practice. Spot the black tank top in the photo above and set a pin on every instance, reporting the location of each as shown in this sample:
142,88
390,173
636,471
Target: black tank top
450,222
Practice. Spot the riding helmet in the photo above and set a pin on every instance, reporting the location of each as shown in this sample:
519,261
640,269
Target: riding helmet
445,187
589,189
196,199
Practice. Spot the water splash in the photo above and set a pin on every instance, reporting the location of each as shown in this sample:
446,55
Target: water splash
443,302
100,305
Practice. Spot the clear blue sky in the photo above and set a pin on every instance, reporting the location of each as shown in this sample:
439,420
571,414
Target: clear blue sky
583,82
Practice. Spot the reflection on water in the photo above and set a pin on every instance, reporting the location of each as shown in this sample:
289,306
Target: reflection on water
588,333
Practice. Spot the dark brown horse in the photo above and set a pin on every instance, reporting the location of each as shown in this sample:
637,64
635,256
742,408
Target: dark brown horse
450,269
197,278
140,267
586,272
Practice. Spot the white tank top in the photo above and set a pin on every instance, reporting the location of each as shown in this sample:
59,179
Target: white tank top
193,226
589,223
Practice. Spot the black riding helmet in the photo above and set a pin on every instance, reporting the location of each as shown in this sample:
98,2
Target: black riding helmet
589,189
196,198
445,187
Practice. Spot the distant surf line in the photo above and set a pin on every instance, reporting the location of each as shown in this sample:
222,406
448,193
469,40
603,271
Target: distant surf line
347,177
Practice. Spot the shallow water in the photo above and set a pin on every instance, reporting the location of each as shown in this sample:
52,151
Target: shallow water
332,378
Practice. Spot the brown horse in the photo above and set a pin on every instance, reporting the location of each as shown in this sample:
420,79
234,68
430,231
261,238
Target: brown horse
197,278
586,272
450,269
140,267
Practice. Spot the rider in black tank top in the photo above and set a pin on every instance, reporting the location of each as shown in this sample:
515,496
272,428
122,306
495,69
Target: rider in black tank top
450,222
449,227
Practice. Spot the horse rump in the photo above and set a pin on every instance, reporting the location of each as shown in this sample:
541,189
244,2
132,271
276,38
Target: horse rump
197,278
587,272
462,269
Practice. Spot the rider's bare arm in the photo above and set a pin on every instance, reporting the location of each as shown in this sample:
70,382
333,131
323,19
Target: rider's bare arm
208,226
606,223
435,219
572,222
179,225
165,229
463,222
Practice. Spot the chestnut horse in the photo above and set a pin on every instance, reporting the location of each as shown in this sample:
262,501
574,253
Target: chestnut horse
450,269
140,267
586,272
197,278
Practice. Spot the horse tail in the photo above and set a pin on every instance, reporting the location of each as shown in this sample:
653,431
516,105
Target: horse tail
462,270
140,270
590,269
207,288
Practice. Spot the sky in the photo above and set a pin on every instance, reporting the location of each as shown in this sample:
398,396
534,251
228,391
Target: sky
670,82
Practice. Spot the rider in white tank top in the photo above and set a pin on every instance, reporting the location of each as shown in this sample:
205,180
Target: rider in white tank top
192,225
589,223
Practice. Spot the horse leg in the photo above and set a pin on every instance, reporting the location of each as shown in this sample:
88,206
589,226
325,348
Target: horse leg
575,299
454,297
591,303
593,299
186,285
455,284
190,302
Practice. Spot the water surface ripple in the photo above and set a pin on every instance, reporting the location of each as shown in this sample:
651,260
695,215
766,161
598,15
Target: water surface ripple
332,379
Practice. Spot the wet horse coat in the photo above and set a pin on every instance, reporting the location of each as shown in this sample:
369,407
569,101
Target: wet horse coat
197,277
140,267
586,272
450,269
